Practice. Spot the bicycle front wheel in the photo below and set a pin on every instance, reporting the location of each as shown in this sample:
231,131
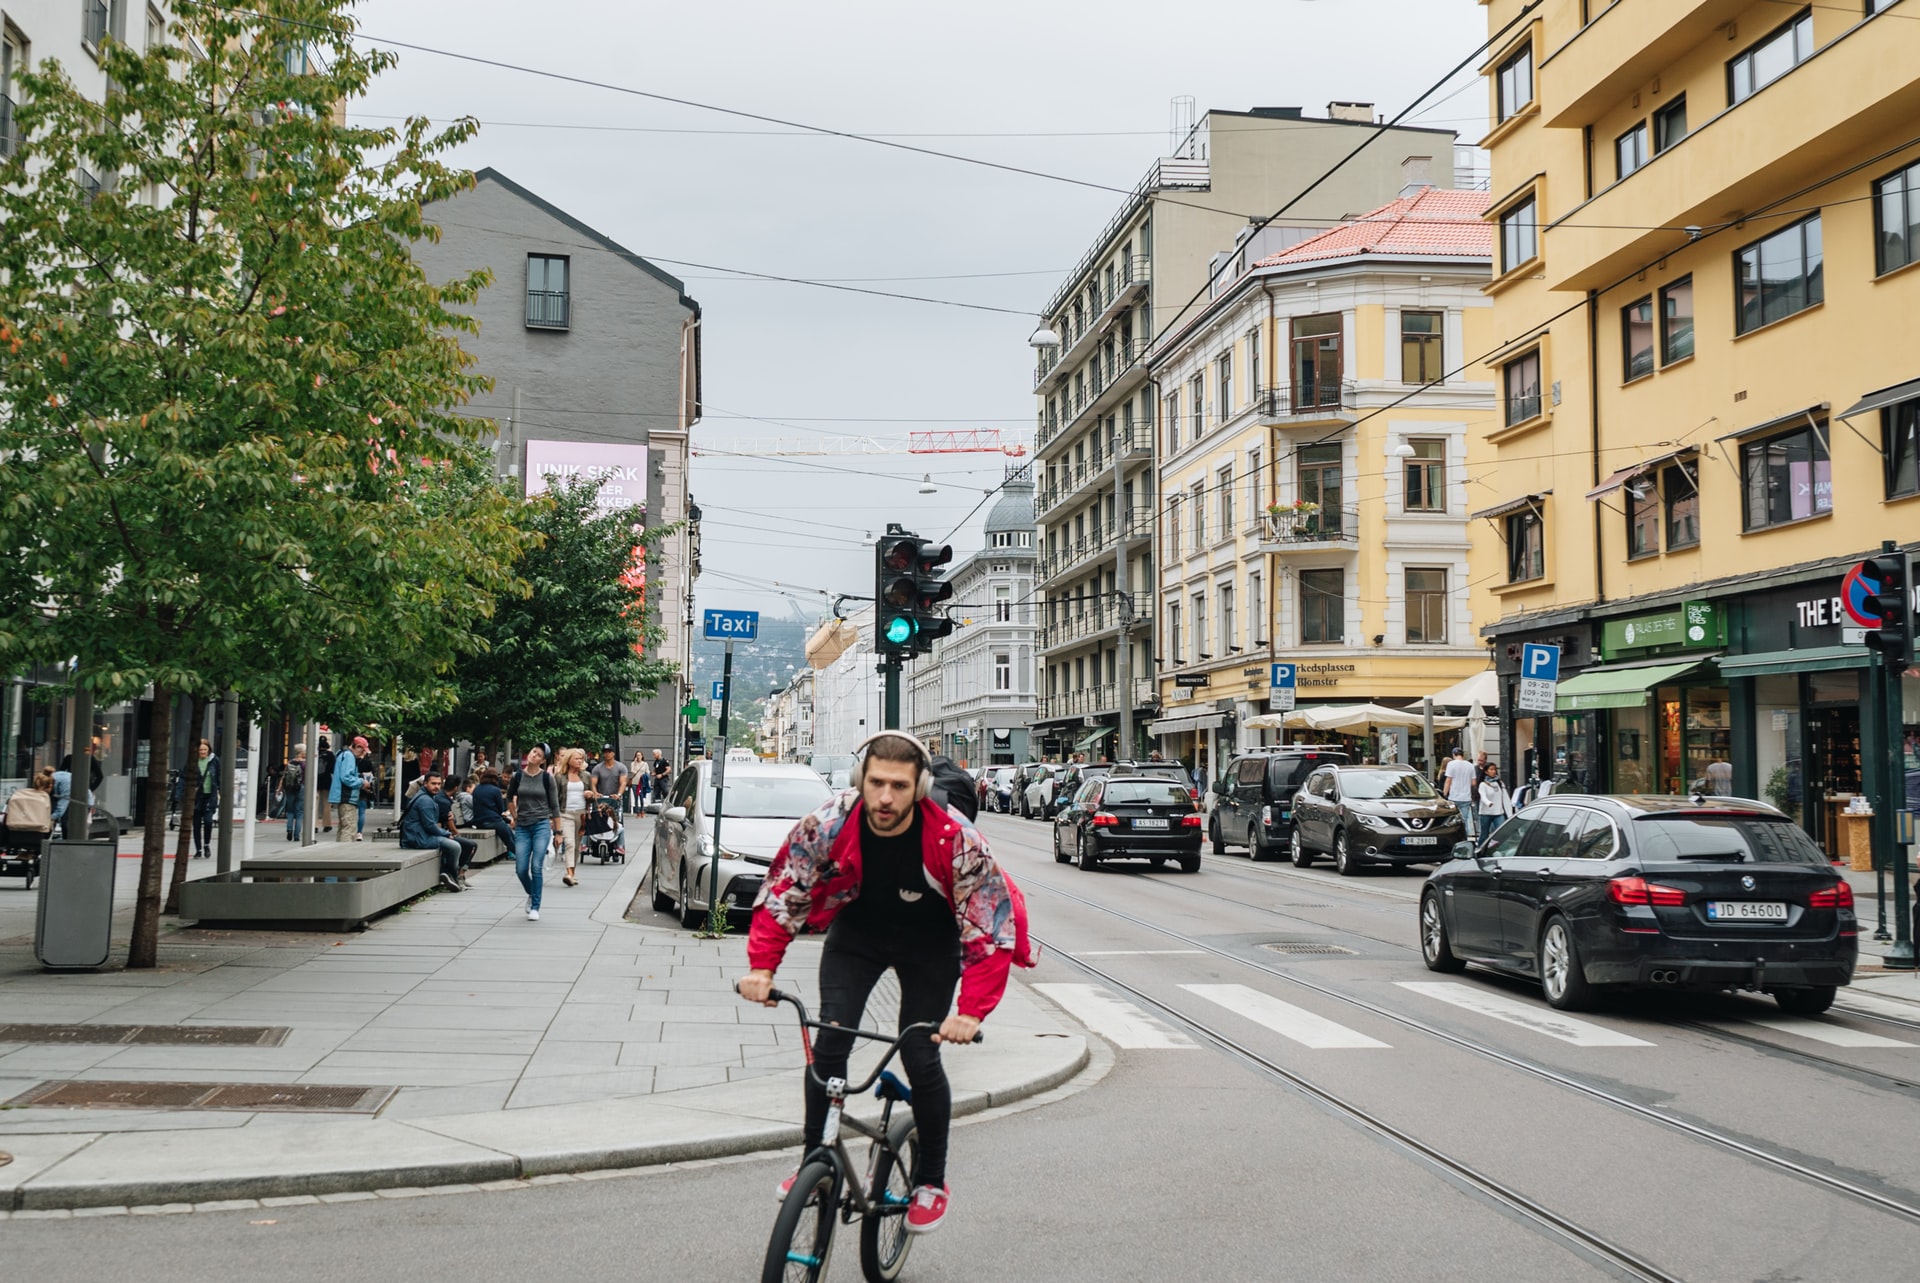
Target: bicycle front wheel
803,1232
883,1233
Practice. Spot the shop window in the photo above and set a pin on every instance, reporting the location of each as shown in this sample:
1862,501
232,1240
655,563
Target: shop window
1770,58
1422,347
1643,517
1426,607
1519,234
1323,607
1520,378
1630,150
1636,337
1780,274
1900,446
1427,476
1676,321
1896,219
1786,477
1682,497
1514,81
1526,547
1670,124
1316,361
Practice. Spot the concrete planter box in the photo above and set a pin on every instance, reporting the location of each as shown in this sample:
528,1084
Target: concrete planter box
312,894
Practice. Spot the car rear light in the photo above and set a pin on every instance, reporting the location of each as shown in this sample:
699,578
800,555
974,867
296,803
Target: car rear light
1837,896
1105,820
1190,821
1641,891
1194,793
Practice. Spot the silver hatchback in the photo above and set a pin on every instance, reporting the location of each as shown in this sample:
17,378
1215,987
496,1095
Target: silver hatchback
764,800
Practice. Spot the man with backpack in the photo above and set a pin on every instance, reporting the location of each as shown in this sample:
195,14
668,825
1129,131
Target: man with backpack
293,788
344,793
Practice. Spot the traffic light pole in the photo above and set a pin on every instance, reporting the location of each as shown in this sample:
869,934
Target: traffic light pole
1892,572
890,712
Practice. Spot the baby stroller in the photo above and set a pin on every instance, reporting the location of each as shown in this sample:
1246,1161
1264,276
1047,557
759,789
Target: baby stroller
603,837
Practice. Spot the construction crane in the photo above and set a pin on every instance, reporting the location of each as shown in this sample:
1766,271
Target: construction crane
966,441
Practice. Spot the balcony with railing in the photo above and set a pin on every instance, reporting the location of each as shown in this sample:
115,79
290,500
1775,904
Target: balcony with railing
1103,303
1295,530
1092,701
1079,618
1302,403
549,310
1136,521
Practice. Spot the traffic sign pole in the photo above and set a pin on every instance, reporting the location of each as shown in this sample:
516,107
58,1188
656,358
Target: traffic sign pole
715,919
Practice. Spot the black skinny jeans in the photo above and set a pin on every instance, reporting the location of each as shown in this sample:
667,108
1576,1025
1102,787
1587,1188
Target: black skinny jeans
929,970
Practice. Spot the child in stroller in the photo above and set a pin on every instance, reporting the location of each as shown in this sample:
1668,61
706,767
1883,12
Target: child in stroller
604,837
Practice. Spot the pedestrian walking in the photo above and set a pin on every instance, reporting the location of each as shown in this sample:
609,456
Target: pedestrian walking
637,780
574,784
1460,779
533,799
662,774
1495,805
343,795
207,806
421,829
369,784
293,788
609,779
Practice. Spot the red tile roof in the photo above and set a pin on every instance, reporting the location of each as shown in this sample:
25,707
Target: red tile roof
1435,222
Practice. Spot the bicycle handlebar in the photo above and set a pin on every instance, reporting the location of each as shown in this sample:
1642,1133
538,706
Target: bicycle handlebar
894,1041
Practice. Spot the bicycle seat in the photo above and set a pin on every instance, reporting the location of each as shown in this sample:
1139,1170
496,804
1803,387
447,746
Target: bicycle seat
891,1088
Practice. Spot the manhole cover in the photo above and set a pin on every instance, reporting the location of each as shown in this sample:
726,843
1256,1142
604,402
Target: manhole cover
148,1035
249,1097
1298,947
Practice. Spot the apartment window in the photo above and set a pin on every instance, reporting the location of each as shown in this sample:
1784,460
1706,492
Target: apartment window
1174,645
1900,446
1254,505
1760,64
1519,234
1427,476
1785,477
1526,547
1521,380
1200,650
1643,517
1173,422
1224,484
1003,604
1253,363
1670,124
1197,405
1896,219
549,301
1173,529
1316,361
156,28
1229,633
1780,274
1875,6
1676,321
1197,508
1630,149
1636,338
1323,607
1257,603
1422,347
1426,607
1682,497
95,25
1514,79
1002,670
1320,483
13,60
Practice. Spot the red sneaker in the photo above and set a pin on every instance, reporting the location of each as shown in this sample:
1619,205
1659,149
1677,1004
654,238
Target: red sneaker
927,1208
786,1187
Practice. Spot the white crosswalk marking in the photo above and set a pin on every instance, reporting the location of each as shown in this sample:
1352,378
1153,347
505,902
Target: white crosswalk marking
1543,1020
1283,1018
1821,1031
1874,1005
1120,1023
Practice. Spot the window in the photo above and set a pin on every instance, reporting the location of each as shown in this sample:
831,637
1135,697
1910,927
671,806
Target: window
1519,234
1323,607
1514,79
1896,219
1223,384
1773,57
1229,632
1223,482
1253,363
1257,603
1630,149
1173,529
1427,476
1003,604
1197,405
1002,670
94,23
1316,361
1254,504
1682,498
156,28
1676,321
1197,506
1900,444
13,61
1875,6
1636,338
1670,124
1785,477
1173,422
547,293
1526,546
1643,517
1422,347
1173,633
1780,274
1426,607
1200,650
1521,377
1320,483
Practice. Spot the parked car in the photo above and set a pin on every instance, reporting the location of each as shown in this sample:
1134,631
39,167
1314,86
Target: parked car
1364,815
1023,776
1175,771
1594,892
1253,800
1129,818
763,801
1074,777
1036,798
999,796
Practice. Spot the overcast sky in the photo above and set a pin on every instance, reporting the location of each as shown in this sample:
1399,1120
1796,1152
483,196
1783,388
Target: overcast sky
1080,90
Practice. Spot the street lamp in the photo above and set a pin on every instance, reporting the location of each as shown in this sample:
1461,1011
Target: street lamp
1044,337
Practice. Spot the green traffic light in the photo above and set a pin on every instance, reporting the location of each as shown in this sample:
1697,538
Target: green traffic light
899,630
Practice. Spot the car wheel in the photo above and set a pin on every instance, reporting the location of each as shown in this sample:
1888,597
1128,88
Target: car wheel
1257,851
1213,832
1059,856
689,916
1435,948
662,902
1561,975
1805,1000
1298,853
1190,863
1084,858
1343,858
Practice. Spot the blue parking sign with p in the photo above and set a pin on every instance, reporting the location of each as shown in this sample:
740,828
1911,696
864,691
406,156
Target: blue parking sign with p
1540,663
1283,677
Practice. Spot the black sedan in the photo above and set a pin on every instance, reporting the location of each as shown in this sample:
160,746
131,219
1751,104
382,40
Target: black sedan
1129,819
1589,893
1363,815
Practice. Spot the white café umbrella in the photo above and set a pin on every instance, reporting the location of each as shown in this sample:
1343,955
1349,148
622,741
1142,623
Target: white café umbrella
1347,719
1476,729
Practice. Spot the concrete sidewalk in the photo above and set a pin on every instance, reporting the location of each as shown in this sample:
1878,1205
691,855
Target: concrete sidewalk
583,1041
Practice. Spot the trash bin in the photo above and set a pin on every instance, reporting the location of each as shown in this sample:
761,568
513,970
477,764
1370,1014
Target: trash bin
74,926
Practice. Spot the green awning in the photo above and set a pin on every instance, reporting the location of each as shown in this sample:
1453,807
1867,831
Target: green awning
1617,687
1810,659
1092,739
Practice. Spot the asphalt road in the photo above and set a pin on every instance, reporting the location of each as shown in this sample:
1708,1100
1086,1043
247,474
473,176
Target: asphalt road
1304,1116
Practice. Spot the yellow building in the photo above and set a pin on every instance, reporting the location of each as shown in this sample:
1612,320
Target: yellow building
1322,427
1706,214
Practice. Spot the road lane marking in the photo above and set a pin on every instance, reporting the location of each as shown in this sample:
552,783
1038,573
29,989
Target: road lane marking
1820,1031
1874,1005
1120,1023
1134,953
1524,1014
1285,1019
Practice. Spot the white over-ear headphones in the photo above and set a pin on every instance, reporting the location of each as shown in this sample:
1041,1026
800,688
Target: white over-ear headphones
924,787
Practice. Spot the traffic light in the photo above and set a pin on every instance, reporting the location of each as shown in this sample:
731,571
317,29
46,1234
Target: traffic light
930,590
895,593
1892,601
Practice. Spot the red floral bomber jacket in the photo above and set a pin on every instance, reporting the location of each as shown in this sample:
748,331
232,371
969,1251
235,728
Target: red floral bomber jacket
817,873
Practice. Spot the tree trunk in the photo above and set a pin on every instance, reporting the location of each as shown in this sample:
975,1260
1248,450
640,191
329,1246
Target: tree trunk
144,949
189,801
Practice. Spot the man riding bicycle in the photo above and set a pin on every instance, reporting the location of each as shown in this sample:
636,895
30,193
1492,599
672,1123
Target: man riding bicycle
896,881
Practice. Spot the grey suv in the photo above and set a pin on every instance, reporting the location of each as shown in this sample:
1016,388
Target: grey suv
1253,800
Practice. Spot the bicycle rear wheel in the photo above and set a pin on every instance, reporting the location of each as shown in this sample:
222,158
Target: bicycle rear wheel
883,1232
803,1232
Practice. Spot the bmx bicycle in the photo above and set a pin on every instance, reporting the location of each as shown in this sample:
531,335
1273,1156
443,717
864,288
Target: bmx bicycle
824,1189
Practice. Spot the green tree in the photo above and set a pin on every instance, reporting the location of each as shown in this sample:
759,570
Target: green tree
226,387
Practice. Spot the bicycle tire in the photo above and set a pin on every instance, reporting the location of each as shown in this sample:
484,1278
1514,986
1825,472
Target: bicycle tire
884,1241
806,1215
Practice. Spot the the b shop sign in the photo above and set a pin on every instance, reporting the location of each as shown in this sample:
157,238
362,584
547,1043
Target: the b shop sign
618,471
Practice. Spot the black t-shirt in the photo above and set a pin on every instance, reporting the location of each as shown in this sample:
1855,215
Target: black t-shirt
895,896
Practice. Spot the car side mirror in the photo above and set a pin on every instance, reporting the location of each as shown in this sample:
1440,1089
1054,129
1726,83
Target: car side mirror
1464,851
675,814
1220,787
